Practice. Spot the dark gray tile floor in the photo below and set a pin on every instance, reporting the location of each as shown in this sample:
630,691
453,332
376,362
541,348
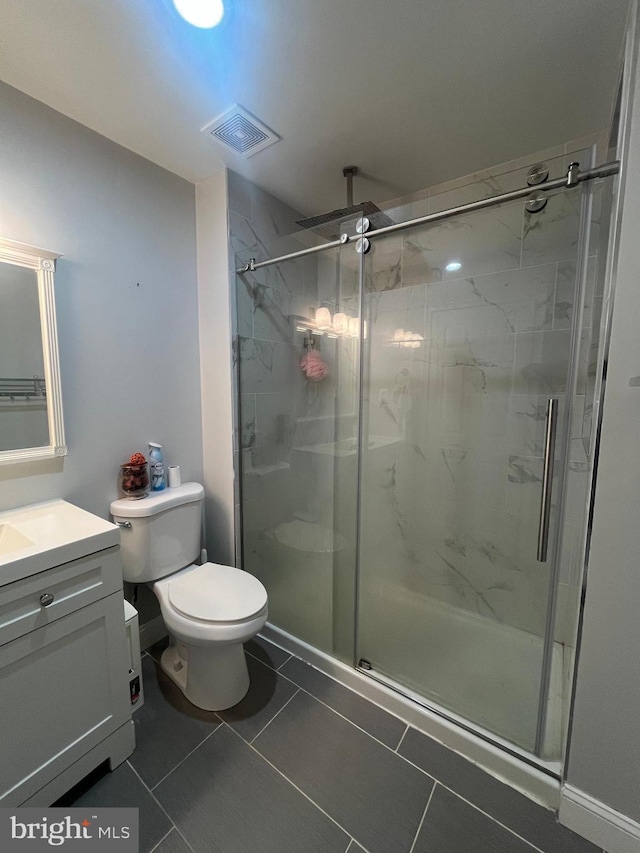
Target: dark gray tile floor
303,765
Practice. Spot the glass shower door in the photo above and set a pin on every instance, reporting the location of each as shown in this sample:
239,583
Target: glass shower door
469,338
298,357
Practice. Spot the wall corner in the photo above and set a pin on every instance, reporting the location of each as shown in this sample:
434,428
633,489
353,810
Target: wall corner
215,364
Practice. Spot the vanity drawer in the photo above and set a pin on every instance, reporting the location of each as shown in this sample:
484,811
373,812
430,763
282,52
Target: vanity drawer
36,601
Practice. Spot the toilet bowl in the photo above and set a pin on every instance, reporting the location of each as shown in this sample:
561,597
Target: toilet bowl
210,610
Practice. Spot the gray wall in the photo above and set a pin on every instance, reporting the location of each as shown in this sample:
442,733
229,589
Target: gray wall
604,756
126,300
215,366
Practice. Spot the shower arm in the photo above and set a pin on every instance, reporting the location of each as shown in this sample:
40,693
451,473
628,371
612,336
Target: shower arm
349,172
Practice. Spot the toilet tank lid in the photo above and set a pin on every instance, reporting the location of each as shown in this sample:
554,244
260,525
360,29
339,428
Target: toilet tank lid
157,501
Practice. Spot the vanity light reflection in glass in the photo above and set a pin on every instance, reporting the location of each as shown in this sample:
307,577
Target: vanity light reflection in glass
405,339
323,319
340,325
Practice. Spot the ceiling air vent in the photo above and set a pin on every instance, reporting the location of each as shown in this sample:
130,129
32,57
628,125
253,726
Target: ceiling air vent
239,130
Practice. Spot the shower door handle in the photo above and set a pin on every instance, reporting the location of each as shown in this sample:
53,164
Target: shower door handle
547,478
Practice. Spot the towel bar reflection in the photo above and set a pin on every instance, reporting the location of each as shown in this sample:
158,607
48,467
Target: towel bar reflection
27,388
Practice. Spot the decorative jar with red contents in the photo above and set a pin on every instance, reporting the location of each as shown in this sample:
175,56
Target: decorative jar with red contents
133,478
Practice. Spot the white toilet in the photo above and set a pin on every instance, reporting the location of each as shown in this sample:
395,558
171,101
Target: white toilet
209,610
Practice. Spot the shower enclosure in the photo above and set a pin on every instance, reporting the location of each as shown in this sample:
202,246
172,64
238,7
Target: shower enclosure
414,421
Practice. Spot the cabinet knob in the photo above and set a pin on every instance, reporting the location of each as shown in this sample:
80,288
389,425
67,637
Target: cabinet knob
46,599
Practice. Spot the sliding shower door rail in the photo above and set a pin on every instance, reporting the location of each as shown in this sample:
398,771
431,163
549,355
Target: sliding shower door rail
572,179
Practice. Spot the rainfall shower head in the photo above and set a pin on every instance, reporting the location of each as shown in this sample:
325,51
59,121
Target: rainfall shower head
329,224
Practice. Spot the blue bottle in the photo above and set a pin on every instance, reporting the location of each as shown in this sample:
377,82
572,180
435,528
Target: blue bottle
156,467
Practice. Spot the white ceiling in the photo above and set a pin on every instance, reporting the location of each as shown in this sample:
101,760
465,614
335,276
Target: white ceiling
414,92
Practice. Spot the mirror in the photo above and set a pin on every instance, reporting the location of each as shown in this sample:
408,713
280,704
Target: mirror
31,424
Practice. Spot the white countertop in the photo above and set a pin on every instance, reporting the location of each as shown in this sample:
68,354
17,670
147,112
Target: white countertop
37,537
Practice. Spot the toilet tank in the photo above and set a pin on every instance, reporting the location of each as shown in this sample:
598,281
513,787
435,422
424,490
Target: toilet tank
164,534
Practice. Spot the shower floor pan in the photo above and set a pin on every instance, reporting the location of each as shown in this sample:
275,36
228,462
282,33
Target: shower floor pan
485,672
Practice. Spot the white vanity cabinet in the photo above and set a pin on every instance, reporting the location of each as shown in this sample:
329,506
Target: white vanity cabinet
64,696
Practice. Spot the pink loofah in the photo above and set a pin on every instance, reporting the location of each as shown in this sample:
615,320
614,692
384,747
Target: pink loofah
313,366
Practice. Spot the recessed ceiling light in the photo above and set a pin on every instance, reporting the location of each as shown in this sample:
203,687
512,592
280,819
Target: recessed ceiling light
201,13
453,266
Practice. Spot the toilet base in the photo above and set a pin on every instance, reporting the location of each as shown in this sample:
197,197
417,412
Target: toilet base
211,678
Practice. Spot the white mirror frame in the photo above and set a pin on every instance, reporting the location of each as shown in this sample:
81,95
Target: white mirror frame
43,263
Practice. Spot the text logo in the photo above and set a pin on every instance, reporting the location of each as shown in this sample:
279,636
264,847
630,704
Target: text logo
24,830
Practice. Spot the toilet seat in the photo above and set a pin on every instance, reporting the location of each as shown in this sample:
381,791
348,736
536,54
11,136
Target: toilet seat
212,593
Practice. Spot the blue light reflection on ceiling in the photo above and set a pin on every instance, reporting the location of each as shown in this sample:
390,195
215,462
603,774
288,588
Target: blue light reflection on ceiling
201,65
203,14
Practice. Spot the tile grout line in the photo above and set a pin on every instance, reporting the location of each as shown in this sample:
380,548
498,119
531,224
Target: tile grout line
293,784
401,739
250,744
185,757
408,760
283,663
347,719
274,716
164,837
161,807
476,807
246,651
354,841
403,757
495,820
424,814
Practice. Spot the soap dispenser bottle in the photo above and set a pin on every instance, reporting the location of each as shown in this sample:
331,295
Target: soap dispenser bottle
156,466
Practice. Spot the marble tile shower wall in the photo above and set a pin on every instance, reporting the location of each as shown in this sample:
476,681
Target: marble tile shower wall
453,504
